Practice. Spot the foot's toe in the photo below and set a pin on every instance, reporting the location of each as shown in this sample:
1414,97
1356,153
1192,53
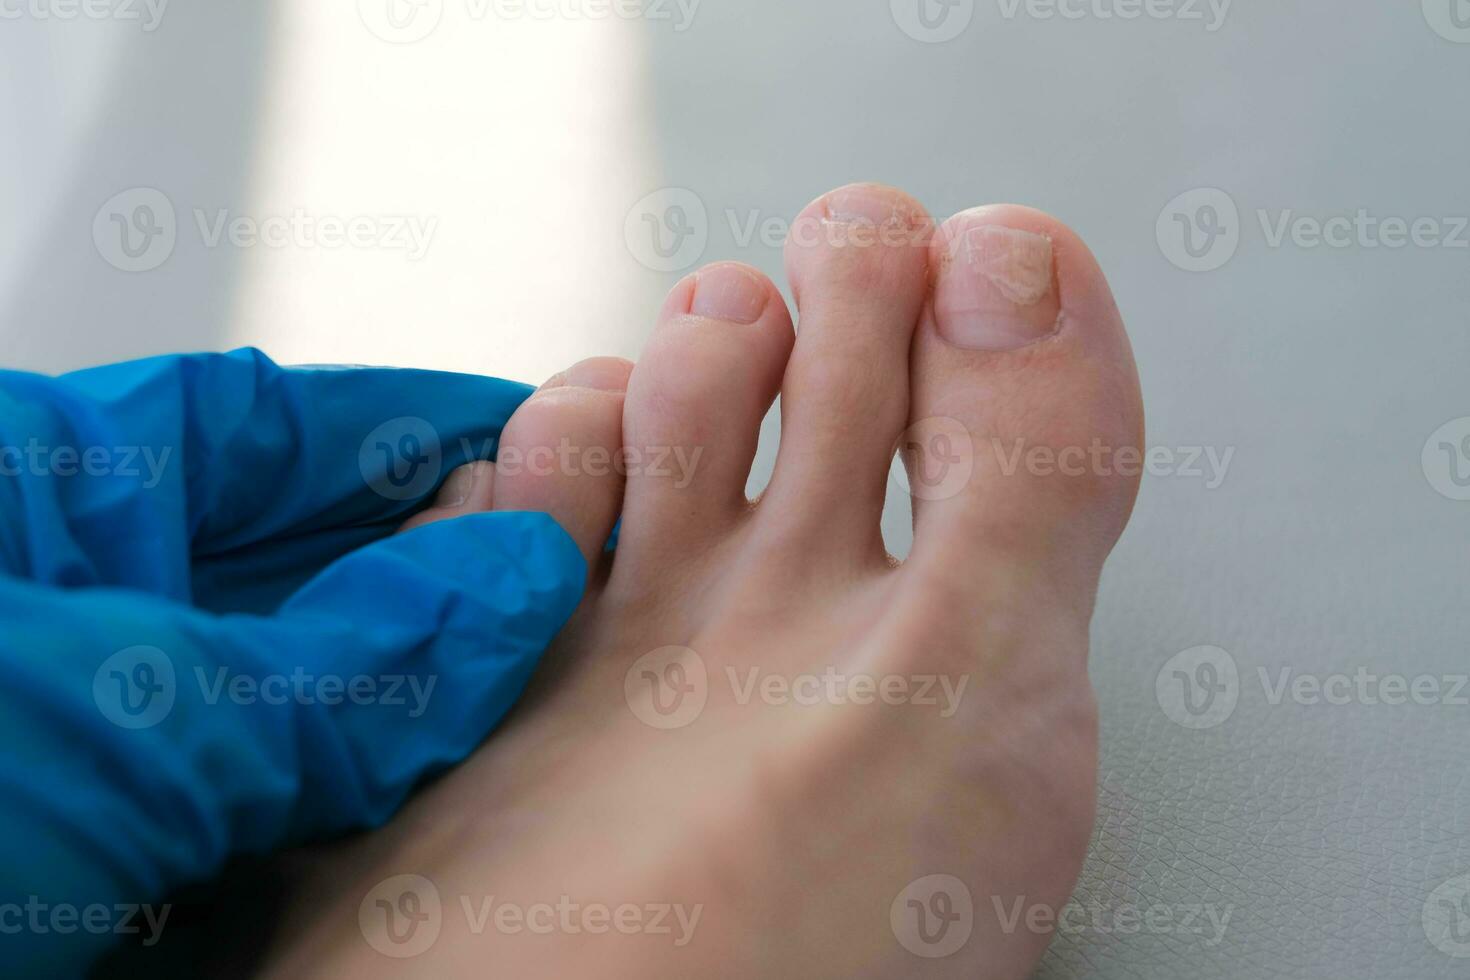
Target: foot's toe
559,453
704,382
469,490
1026,422
858,263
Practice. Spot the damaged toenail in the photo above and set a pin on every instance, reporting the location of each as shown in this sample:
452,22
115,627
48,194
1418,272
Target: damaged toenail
728,292
996,290
865,205
599,373
461,483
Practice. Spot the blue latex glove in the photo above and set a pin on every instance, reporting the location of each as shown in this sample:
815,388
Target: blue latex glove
195,571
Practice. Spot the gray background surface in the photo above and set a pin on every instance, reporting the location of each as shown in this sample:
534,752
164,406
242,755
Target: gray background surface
1335,836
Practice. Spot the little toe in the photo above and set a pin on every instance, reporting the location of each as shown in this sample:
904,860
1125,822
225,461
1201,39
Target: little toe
559,453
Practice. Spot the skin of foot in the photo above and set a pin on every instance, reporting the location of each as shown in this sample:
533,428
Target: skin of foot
762,747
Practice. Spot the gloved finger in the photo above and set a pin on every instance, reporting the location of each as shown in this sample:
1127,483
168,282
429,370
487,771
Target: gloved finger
121,474
147,742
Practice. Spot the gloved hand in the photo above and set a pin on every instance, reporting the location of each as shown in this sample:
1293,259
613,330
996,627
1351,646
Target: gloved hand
210,645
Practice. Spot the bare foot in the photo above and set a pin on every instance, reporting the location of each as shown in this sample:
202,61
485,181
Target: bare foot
763,748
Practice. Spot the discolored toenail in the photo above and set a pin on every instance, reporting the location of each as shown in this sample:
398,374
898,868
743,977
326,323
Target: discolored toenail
996,286
728,292
867,204
600,373
464,483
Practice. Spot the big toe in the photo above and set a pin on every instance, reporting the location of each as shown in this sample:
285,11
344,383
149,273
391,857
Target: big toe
1026,424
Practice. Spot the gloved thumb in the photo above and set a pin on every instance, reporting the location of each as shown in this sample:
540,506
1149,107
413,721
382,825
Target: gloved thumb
148,741
455,616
